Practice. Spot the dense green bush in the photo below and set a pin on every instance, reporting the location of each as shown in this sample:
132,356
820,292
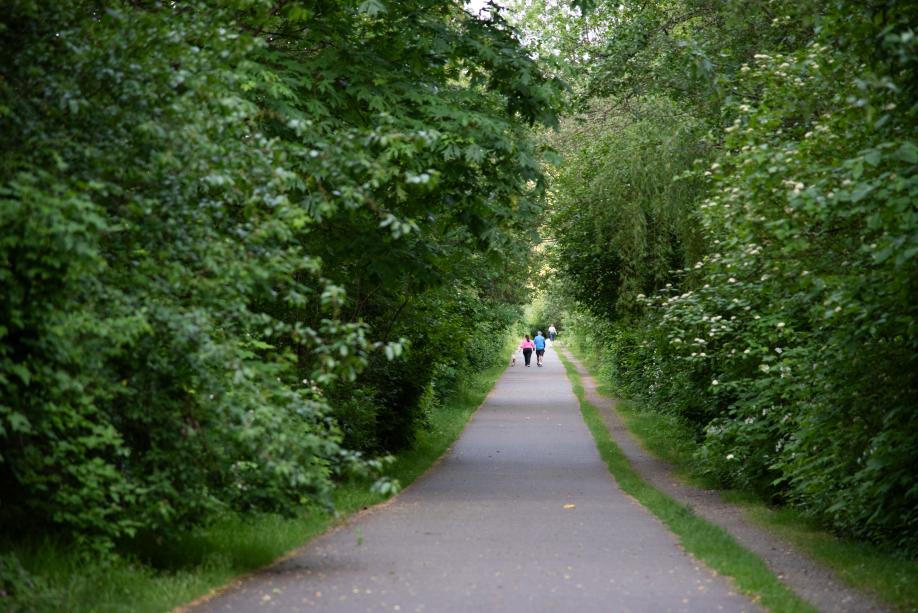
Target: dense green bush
789,341
138,373
805,311
454,332
210,213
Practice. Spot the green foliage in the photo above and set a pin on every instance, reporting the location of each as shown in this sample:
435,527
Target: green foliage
621,224
454,332
214,216
29,591
565,36
693,50
807,310
425,142
789,340
544,310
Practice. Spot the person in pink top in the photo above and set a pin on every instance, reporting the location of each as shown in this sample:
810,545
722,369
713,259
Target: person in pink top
527,346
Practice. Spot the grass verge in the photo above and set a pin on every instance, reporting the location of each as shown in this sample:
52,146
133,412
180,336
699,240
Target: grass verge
162,575
702,539
872,569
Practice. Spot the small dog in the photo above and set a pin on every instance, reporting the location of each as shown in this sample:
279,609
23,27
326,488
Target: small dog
513,360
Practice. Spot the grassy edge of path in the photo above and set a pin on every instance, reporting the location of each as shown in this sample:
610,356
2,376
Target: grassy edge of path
864,566
180,570
705,541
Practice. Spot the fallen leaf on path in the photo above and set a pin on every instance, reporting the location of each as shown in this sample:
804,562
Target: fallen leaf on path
569,506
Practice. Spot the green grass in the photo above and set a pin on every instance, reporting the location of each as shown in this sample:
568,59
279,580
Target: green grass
702,539
180,570
875,570
185,567
666,436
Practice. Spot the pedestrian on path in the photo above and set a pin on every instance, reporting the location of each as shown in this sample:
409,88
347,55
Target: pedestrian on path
527,346
539,342
552,332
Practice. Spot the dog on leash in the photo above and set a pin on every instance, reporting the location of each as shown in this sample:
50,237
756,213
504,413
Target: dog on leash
513,360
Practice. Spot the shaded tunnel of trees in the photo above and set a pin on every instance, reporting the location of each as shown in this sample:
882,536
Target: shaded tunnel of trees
248,247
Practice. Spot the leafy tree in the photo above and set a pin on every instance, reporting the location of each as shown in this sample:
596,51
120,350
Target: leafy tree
210,214
621,224
789,343
439,174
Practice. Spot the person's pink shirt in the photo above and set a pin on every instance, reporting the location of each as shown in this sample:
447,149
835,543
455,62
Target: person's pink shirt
527,345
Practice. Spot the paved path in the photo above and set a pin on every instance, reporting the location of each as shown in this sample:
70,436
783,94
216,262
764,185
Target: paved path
487,530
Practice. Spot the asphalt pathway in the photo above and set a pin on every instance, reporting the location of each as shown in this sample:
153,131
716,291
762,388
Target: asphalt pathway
521,515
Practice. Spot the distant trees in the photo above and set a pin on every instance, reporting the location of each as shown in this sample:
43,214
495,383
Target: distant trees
214,215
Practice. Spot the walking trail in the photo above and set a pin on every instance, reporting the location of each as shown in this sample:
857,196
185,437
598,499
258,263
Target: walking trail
520,515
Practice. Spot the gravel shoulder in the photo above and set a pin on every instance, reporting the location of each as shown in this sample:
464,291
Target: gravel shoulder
810,580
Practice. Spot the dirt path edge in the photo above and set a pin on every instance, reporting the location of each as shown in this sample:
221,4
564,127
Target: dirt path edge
810,580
